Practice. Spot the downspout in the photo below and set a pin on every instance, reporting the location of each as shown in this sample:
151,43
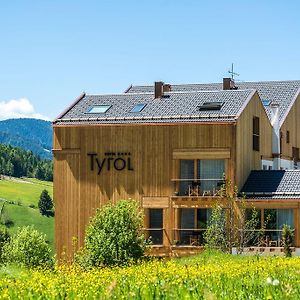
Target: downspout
275,136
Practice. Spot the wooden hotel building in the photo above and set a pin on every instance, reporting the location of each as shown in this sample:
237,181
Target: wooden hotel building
171,148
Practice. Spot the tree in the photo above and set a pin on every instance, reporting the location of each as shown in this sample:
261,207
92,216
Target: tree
215,235
114,236
45,204
287,240
229,226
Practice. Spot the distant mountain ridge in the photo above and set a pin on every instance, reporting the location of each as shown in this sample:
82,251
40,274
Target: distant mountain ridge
29,134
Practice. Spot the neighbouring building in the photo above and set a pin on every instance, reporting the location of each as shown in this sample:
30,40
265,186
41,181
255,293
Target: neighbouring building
171,147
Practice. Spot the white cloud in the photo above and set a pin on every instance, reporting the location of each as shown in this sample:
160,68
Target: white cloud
19,108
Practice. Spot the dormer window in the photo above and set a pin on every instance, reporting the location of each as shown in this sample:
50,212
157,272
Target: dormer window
99,109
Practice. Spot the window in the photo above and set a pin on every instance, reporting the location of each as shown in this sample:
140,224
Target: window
156,225
295,155
138,107
201,176
211,106
99,109
255,133
266,102
192,225
287,137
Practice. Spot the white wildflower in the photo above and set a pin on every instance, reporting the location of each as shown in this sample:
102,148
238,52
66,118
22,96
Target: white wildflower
275,282
269,280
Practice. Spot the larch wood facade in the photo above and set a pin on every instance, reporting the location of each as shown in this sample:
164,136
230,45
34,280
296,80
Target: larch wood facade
155,151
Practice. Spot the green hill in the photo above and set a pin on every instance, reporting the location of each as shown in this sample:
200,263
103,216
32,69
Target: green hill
21,196
29,134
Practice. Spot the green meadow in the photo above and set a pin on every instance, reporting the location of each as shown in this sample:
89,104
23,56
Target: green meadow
20,198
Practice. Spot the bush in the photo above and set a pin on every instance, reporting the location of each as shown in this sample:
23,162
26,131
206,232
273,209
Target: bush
114,236
4,218
4,238
27,247
45,204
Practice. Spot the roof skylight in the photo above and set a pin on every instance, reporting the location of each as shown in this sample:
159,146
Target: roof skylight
99,109
266,102
138,107
211,106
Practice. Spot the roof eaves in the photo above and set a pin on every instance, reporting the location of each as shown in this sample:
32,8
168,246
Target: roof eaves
128,89
246,102
79,98
289,108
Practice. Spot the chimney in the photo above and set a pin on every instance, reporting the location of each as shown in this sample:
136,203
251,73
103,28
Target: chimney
228,84
275,136
158,89
167,87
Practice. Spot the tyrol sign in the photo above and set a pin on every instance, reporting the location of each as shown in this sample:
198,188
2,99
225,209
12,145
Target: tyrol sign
111,161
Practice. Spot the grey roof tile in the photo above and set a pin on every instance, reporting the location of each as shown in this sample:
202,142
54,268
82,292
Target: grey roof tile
279,92
273,184
173,107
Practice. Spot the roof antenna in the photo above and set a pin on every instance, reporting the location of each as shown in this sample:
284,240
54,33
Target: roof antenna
232,72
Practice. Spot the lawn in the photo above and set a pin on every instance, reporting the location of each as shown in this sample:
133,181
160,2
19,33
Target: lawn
18,194
27,190
207,276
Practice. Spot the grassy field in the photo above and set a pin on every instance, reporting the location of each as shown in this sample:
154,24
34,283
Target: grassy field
207,276
18,194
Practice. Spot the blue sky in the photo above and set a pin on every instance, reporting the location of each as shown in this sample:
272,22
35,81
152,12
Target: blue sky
51,51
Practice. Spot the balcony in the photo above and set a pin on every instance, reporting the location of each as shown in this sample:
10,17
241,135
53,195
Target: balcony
197,187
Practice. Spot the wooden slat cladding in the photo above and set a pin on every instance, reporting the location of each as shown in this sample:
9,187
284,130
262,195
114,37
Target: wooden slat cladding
291,125
67,201
151,153
156,202
248,159
210,153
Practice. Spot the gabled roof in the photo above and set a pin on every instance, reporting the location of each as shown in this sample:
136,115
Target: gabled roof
273,184
172,107
279,92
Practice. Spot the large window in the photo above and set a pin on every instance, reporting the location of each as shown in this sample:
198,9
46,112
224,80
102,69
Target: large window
255,133
269,225
193,223
201,177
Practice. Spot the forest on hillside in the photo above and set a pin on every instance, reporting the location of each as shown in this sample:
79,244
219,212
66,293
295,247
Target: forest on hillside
29,134
17,162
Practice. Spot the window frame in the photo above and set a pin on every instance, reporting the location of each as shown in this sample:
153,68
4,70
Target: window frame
142,105
255,134
108,106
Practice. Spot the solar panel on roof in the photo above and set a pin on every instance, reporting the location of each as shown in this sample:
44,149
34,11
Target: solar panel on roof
211,106
98,109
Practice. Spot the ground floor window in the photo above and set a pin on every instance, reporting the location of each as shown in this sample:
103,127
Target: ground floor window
270,224
156,226
192,223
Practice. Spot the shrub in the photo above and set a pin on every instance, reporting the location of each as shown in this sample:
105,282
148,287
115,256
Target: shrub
114,235
287,240
45,204
4,238
4,218
27,247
